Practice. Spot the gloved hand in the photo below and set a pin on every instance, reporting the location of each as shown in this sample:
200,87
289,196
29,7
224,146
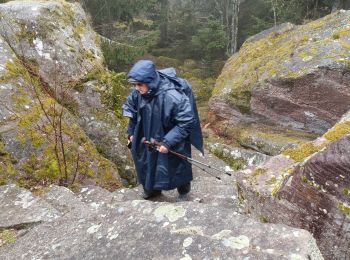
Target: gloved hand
130,141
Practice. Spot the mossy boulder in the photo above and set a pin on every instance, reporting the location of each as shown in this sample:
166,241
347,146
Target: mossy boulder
271,140
237,158
56,124
307,187
55,34
293,76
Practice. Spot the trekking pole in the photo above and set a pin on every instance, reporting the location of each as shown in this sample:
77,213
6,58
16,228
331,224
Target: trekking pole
154,143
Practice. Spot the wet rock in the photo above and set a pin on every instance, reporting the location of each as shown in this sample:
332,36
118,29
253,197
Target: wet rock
306,188
243,158
96,197
48,49
133,230
288,78
272,140
57,35
126,194
323,182
18,207
103,128
63,199
312,102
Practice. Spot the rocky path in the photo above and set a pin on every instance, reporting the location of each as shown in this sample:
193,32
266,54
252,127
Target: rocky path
98,224
206,188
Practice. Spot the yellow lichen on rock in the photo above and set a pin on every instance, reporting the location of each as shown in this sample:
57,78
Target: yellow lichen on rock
337,131
285,54
8,236
6,166
302,151
67,155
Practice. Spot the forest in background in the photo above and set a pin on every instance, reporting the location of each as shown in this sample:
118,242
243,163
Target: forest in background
205,31
201,30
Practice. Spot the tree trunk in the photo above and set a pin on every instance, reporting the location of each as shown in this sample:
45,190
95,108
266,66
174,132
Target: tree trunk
315,8
164,6
337,5
227,23
234,26
274,7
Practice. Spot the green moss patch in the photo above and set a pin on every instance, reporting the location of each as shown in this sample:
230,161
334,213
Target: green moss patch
258,171
346,191
7,236
234,163
114,90
338,131
344,208
306,149
7,169
62,153
271,181
341,33
264,219
302,151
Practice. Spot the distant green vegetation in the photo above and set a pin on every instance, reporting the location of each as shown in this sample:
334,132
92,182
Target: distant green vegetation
200,30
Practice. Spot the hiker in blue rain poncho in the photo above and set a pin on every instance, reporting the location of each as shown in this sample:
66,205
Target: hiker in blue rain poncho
161,108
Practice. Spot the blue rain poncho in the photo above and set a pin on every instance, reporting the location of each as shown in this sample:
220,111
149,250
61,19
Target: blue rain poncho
165,113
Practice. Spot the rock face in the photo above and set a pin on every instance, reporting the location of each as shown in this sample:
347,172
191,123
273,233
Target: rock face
20,207
89,228
240,158
295,76
307,187
48,52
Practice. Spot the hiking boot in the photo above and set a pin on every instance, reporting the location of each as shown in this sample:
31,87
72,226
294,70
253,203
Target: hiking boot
151,194
184,189
183,197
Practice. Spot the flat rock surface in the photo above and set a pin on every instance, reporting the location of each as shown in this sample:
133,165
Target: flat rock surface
148,230
19,207
98,224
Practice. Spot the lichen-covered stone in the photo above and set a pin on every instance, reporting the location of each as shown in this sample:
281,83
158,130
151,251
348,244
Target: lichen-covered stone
148,230
237,157
272,140
56,34
48,50
63,199
18,207
295,76
310,189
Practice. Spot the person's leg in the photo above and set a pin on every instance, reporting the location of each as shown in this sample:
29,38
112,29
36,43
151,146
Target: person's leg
184,189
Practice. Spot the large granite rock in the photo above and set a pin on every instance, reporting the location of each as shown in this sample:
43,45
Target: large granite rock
47,51
152,230
307,187
238,157
55,34
296,77
18,207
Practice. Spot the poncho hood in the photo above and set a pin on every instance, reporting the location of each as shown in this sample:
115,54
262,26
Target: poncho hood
145,71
